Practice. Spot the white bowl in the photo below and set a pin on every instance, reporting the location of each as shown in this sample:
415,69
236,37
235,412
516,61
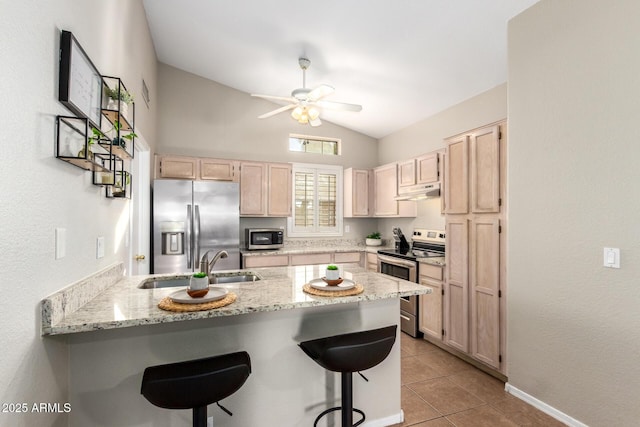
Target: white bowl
374,242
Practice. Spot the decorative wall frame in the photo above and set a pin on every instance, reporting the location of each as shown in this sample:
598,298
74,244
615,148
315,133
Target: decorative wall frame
80,87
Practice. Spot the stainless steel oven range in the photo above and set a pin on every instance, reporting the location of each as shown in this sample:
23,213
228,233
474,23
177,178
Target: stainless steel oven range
403,262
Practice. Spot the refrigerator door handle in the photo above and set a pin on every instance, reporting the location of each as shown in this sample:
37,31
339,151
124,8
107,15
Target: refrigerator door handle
189,242
196,234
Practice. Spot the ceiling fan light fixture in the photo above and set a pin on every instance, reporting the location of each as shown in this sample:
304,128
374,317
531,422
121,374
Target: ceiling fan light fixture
304,102
314,113
297,112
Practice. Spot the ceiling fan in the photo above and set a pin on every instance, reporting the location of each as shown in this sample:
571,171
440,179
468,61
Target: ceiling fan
307,103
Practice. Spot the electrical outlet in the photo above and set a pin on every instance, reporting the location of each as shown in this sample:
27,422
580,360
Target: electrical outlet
100,247
209,421
347,228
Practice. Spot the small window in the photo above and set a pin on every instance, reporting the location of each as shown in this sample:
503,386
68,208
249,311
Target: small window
314,144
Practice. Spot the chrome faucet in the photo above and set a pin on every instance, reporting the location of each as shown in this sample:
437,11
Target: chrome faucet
206,266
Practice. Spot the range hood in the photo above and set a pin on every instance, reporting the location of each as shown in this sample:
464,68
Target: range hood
419,192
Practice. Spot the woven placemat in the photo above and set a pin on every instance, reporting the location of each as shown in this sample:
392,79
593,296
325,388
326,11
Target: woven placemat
167,303
347,292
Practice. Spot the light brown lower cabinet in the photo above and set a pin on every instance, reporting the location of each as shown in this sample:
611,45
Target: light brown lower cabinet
347,257
473,312
310,259
265,261
355,257
430,320
372,261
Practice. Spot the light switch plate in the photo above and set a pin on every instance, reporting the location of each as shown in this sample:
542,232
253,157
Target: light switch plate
611,257
100,247
61,242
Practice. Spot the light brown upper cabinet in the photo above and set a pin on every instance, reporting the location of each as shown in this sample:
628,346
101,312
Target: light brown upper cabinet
385,190
456,182
427,168
385,185
219,170
253,189
265,189
407,173
176,167
485,170
421,170
357,193
196,168
279,189
472,182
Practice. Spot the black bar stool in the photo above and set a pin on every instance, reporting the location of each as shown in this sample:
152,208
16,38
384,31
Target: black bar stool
194,384
349,353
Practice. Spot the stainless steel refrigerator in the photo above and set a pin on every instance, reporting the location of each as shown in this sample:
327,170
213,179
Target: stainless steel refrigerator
192,217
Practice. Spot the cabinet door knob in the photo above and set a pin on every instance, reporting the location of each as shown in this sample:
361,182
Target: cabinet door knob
139,257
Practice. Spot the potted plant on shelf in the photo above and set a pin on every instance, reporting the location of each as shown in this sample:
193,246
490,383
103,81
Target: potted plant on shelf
97,134
374,239
119,140
118,189
118,97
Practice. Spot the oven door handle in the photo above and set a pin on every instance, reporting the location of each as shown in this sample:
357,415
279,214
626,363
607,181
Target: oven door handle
397,261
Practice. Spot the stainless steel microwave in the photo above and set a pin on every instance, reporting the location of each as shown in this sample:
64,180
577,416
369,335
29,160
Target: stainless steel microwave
263,238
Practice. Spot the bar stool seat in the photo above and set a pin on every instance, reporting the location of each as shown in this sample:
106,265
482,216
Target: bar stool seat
348,353
194,384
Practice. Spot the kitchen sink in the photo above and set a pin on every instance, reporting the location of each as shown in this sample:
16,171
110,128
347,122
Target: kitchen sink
164,283
249,277
217,279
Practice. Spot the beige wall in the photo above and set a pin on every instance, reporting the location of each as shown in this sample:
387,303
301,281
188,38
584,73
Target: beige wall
39,192
574,109
428,135
200,117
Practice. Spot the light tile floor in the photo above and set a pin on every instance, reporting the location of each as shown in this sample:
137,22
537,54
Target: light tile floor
440,390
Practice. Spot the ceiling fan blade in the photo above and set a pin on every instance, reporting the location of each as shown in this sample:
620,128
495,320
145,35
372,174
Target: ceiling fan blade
320,92
315,122
279,98
341,106
276,111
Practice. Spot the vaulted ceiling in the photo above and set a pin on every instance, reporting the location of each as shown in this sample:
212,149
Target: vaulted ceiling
402,60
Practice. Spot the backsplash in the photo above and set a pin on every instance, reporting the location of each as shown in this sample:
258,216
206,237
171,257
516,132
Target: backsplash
337,242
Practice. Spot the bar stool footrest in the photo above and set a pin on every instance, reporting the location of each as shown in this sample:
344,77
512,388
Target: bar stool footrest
338,408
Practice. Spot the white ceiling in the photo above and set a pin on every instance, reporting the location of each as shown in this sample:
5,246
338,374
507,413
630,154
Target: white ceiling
402,60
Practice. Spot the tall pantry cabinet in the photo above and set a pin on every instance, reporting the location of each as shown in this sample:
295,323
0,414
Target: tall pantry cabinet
475,223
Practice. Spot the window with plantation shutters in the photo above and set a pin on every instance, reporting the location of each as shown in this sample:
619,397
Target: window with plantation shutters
317,201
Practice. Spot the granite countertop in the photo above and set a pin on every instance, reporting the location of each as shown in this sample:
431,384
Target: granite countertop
314,248
121,303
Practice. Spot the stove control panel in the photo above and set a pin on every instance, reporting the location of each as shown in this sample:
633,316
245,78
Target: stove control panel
426,235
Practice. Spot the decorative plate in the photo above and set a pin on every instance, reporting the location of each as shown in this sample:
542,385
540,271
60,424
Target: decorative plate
183,297
322,285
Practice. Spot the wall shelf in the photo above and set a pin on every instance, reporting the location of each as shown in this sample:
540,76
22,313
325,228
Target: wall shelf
104,147
74,146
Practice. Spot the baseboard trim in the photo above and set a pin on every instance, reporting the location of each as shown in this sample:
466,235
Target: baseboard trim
547,409
386,421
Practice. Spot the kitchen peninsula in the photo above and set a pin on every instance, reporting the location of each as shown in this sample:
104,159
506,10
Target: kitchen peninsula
114,335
